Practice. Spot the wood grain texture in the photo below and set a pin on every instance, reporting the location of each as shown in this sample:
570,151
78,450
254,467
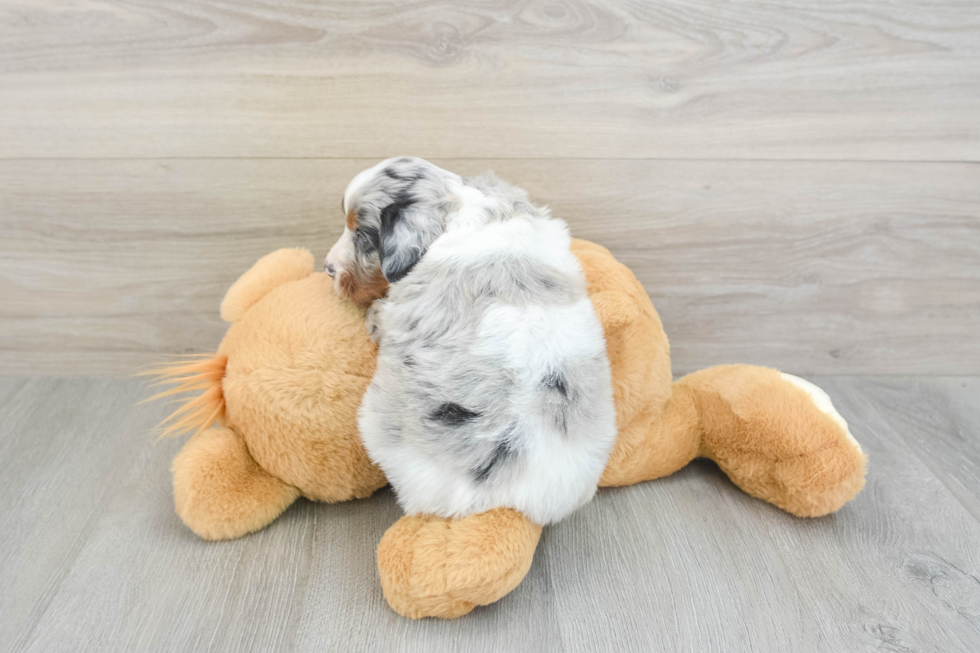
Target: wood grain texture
793,79
795,182
942,433
92,557
805,266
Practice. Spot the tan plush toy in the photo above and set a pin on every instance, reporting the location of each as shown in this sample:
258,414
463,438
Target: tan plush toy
277,420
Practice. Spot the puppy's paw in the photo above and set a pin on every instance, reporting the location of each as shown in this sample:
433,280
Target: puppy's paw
372,321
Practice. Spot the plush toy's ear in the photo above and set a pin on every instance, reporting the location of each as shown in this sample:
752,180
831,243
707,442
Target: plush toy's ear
615,293
406,234
614,309
270,271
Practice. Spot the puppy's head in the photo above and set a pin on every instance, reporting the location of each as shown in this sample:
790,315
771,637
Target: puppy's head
395,211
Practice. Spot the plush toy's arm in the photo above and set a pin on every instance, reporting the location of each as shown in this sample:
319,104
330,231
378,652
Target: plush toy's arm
269,272
434,567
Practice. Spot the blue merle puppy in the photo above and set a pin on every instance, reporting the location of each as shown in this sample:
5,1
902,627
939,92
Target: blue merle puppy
493,386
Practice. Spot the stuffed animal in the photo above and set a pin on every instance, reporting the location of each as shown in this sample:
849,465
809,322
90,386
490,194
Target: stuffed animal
277,419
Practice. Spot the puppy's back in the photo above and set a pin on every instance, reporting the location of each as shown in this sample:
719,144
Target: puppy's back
493,386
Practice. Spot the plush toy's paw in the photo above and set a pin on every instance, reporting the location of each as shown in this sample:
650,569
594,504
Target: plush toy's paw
777,437
221,492
434,567
822,401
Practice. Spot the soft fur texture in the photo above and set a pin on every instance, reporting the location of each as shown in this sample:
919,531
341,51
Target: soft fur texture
219,489
493,387
293,368
445,568
298,360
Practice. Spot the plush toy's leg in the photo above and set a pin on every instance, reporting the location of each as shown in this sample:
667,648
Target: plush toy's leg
435,567
220,491
777,437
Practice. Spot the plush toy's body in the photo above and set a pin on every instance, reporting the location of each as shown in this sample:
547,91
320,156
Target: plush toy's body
287,380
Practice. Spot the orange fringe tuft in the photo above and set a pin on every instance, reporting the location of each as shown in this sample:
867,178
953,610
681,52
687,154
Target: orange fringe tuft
205,373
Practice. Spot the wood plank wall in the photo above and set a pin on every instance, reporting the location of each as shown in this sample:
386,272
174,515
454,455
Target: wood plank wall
796,183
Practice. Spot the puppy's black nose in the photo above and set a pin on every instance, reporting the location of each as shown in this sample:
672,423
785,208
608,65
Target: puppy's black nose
328,268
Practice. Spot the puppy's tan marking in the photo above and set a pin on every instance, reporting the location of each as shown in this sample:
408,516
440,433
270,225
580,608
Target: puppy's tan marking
363,292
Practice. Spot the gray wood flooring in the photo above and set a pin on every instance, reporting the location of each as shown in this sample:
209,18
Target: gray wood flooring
93,558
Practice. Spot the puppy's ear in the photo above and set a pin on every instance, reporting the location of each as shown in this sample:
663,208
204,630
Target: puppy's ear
406,234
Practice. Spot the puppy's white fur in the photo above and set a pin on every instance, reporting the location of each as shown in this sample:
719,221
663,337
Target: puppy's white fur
493,386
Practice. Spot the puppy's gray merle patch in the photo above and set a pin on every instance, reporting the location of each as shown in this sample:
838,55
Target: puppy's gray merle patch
556,381
453,414
500,453
366,240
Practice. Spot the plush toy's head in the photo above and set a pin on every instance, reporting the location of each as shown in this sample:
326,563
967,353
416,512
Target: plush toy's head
288,378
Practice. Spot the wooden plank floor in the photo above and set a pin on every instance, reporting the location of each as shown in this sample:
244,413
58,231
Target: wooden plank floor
93,558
